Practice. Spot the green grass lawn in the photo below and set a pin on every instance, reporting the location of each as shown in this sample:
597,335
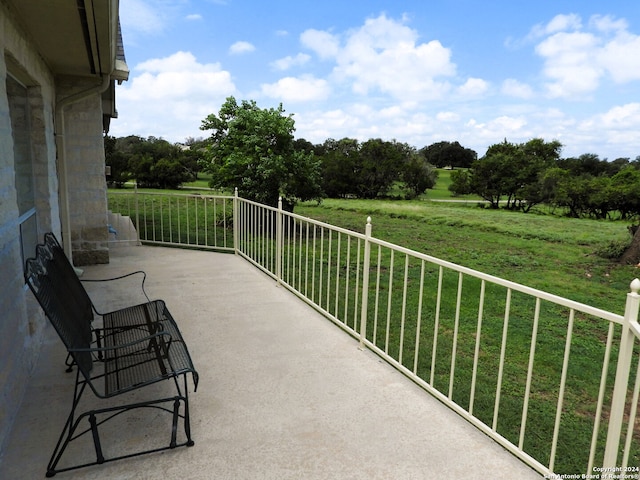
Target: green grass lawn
441,190
555,254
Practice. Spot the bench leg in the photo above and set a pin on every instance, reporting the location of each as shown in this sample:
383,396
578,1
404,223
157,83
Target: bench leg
72,429
68,429
187,418
96,438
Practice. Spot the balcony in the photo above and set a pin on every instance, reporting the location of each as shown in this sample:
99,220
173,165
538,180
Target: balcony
284,393
423,368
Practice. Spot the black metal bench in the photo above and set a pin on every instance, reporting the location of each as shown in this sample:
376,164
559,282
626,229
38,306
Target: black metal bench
134,347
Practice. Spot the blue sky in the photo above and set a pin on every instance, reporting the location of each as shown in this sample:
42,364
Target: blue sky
416,71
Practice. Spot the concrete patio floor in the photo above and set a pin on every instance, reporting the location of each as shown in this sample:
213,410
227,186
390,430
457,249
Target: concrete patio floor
283,393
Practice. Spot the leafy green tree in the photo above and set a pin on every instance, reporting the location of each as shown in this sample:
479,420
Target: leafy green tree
513,172
300,144
118,162
379,166
599,200
340,160
491,177
417,174
573,193
194,151
253,149
588,163
625,192
156,163
460,183
536,157
449,154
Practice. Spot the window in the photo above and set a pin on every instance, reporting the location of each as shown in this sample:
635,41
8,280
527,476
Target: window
19,109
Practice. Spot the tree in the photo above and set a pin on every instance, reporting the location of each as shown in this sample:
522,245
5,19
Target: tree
156,163
379,166
118,162
339,160
418,174
449,154
460,182
537,157
513,172
573,193
625,192
253,149
491,177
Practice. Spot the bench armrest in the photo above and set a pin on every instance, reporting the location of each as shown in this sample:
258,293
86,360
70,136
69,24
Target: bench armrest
98,280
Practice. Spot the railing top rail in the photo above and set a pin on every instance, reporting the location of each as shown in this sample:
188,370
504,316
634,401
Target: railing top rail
162,194
325,225
257,204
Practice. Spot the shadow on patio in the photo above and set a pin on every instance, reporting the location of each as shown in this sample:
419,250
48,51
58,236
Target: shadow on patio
283,392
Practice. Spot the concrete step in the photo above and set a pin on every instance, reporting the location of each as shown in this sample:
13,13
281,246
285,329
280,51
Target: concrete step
122,232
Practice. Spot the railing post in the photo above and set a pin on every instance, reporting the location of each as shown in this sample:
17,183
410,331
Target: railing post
236,222
279,242
365,283
135,197
621,385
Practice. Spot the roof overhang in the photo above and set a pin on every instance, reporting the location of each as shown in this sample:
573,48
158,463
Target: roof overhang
75,37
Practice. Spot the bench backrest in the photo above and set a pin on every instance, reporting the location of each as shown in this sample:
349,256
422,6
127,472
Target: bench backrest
65,302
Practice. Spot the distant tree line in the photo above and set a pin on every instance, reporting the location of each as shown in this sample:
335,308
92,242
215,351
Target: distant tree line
521,176
152,162
343,168
254,149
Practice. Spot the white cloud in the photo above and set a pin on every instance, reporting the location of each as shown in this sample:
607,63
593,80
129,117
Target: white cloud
303,89
383,55
618,127
241,47
627,116
447,117
288,62
324,44
607,23
194,16
577,60
177,88
570,64
514,88
559,23
621,57
473,87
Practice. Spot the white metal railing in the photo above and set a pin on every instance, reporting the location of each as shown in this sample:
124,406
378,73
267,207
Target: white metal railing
187,220
512,360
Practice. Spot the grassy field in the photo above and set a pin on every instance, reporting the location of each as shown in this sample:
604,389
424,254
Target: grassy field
555,254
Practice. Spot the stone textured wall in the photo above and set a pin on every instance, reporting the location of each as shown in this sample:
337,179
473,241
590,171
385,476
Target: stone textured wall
21,321
85,174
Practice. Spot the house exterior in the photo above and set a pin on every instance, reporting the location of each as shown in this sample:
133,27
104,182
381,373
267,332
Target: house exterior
60,63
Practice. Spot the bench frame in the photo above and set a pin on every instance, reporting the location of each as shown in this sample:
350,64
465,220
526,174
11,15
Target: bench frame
135,347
